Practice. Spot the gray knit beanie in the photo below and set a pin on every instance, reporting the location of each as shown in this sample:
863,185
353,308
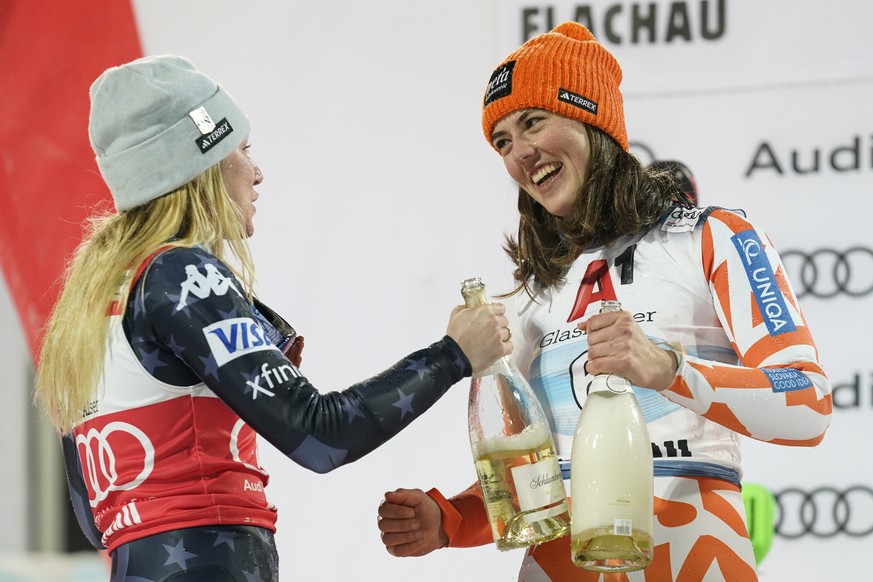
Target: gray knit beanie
156,124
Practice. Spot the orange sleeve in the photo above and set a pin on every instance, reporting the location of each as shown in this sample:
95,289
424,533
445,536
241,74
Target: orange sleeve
778,392
464,518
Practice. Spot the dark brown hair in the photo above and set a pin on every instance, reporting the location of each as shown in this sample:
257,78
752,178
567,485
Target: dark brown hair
620,197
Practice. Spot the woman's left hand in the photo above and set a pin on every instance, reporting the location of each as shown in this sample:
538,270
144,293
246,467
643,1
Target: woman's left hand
617,345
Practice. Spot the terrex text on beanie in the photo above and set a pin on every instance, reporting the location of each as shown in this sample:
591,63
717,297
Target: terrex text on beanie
156,124
565,71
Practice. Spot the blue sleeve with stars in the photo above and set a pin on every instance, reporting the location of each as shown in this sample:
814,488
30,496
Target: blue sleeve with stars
189,322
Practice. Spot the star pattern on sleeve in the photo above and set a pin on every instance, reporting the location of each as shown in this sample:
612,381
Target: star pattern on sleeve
320,457
418,365
175,297
224,344
226,538
151,360
228,314
210,368
177,348
353,409
137,305
404,403
177,555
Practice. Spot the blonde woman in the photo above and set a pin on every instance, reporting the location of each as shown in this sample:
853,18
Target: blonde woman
159,366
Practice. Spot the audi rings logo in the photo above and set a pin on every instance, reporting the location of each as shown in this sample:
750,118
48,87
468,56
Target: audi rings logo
824,512
827,272
98,458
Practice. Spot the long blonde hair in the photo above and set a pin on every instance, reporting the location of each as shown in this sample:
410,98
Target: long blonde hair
200,213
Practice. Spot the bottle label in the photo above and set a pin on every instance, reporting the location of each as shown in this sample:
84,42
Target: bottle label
538,484
622,527
609,383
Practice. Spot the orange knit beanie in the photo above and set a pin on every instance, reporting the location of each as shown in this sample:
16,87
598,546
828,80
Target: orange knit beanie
565,71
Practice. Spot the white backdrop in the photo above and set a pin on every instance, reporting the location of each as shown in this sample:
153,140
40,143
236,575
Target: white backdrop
381,195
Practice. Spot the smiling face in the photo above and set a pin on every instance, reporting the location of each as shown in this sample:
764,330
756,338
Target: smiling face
546,154
241,174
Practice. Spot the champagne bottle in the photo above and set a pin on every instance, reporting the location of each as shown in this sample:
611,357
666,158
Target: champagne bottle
611,478
514,453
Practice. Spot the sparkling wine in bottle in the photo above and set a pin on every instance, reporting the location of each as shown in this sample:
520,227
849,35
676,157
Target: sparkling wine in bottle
514,453
611,478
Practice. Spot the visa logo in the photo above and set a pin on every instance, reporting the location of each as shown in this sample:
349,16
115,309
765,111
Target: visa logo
762,279
231,338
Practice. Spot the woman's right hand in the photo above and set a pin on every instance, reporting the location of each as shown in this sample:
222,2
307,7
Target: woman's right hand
481,332
411,523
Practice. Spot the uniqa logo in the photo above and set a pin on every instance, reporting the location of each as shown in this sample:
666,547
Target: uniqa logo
763,283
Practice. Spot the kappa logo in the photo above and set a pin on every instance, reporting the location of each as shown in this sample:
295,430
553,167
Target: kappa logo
98,458
201,286
762,279
231,338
